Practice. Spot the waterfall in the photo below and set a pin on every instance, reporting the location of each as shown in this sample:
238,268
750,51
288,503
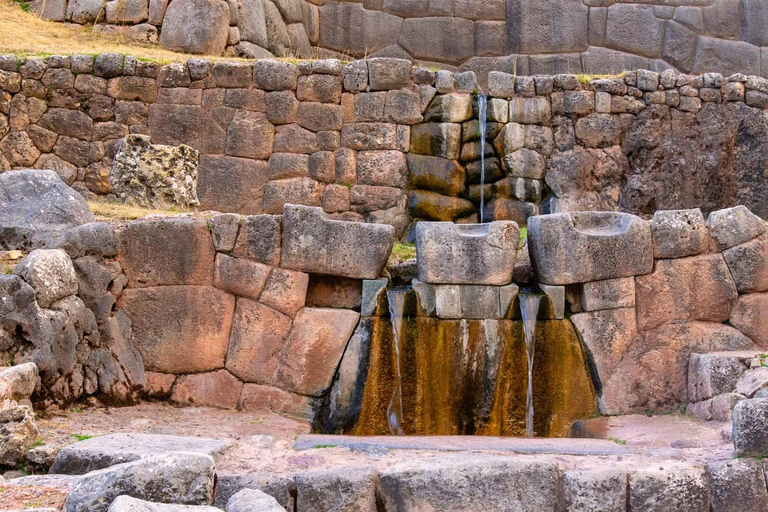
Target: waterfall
396,300
482,107
529,308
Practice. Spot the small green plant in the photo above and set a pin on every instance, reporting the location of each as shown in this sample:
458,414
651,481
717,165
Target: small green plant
618,441
523,236
77,410
39,442
319,446
10,360
82,437
258,422
33,504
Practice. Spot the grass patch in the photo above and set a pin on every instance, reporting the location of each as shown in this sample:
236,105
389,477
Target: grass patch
39,442
25,35
81,437
126,212
77,410
402,252
618,441
319,446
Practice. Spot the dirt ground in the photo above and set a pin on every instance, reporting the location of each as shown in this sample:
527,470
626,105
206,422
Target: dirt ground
265,443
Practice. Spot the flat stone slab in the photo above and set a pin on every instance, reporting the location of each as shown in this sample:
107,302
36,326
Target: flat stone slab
517,445
104,451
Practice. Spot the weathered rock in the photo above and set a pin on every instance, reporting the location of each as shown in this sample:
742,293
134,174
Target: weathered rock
752,381
607,245
593,490
436,174
190,333
734,226
278,486
714,374
170,251
36,206
231,184
608,294
337,489
128,504
313,349
695,288
240,276
749,317
748,264
50,273
105,451
672,486
313,243
214,389
154,176
92,239
260,399
750,437
433,206
19,382
679,233
738,485
466,254
253,500
260,239
470,483
184,478
17,432
195,26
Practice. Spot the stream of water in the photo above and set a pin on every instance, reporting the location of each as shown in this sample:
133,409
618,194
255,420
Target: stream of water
529,307
482,107
396,300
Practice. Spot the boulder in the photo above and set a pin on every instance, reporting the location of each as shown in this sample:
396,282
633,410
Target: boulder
679,233
337,489
50,273
470,482
750,435
734,226
313,349
694,288
188,333
747,316
170,251
19,382
183,478
738,486
669,486
196,26
752,381
579,247
92,239
154,176
104,451
279,486
17,432
253,500
36,206
450,253
315,244
128,504
715,373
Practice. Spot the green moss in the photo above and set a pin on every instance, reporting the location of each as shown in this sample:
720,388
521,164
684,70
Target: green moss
81,437
618,441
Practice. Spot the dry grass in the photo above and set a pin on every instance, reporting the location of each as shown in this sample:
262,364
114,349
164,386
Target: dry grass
24,34
109,211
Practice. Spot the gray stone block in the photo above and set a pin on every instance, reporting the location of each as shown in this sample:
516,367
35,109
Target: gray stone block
448,301
669,486
480,302
738,486
466,254
427,295
608,294
750,428
734,226
372,290
555,26
556,297
679,233
568,248
715,373
602,490
634,29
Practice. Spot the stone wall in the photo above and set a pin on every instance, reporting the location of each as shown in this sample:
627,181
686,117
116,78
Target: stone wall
561,36
382,141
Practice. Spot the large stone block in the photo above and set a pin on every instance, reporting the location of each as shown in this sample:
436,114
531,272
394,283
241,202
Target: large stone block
634,29
695,288
603,490
434,206
196,26
171,251
568,248
750,435
734,226
180,329
250,135
36,207
259,239
738,486
240,276
337,489
50,273
450,253
679,233
313,349
474,482
231,184
348,27
748,263
452,39
726,57
749,316
213,389
713,374
313,243
551,27
436,174
437,139
285,291
174,125
608,294
671,486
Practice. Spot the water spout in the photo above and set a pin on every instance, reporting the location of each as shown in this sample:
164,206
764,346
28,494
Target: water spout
529,308
396,299
482,107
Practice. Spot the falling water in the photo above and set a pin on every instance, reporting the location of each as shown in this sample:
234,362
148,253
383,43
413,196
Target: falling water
529,307
482,106
396,299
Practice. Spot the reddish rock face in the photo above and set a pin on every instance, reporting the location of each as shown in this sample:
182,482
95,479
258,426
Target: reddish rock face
167,252
258,332
265,399
697,288
285,291
313,349
180,329
749,317
240,276
216,389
